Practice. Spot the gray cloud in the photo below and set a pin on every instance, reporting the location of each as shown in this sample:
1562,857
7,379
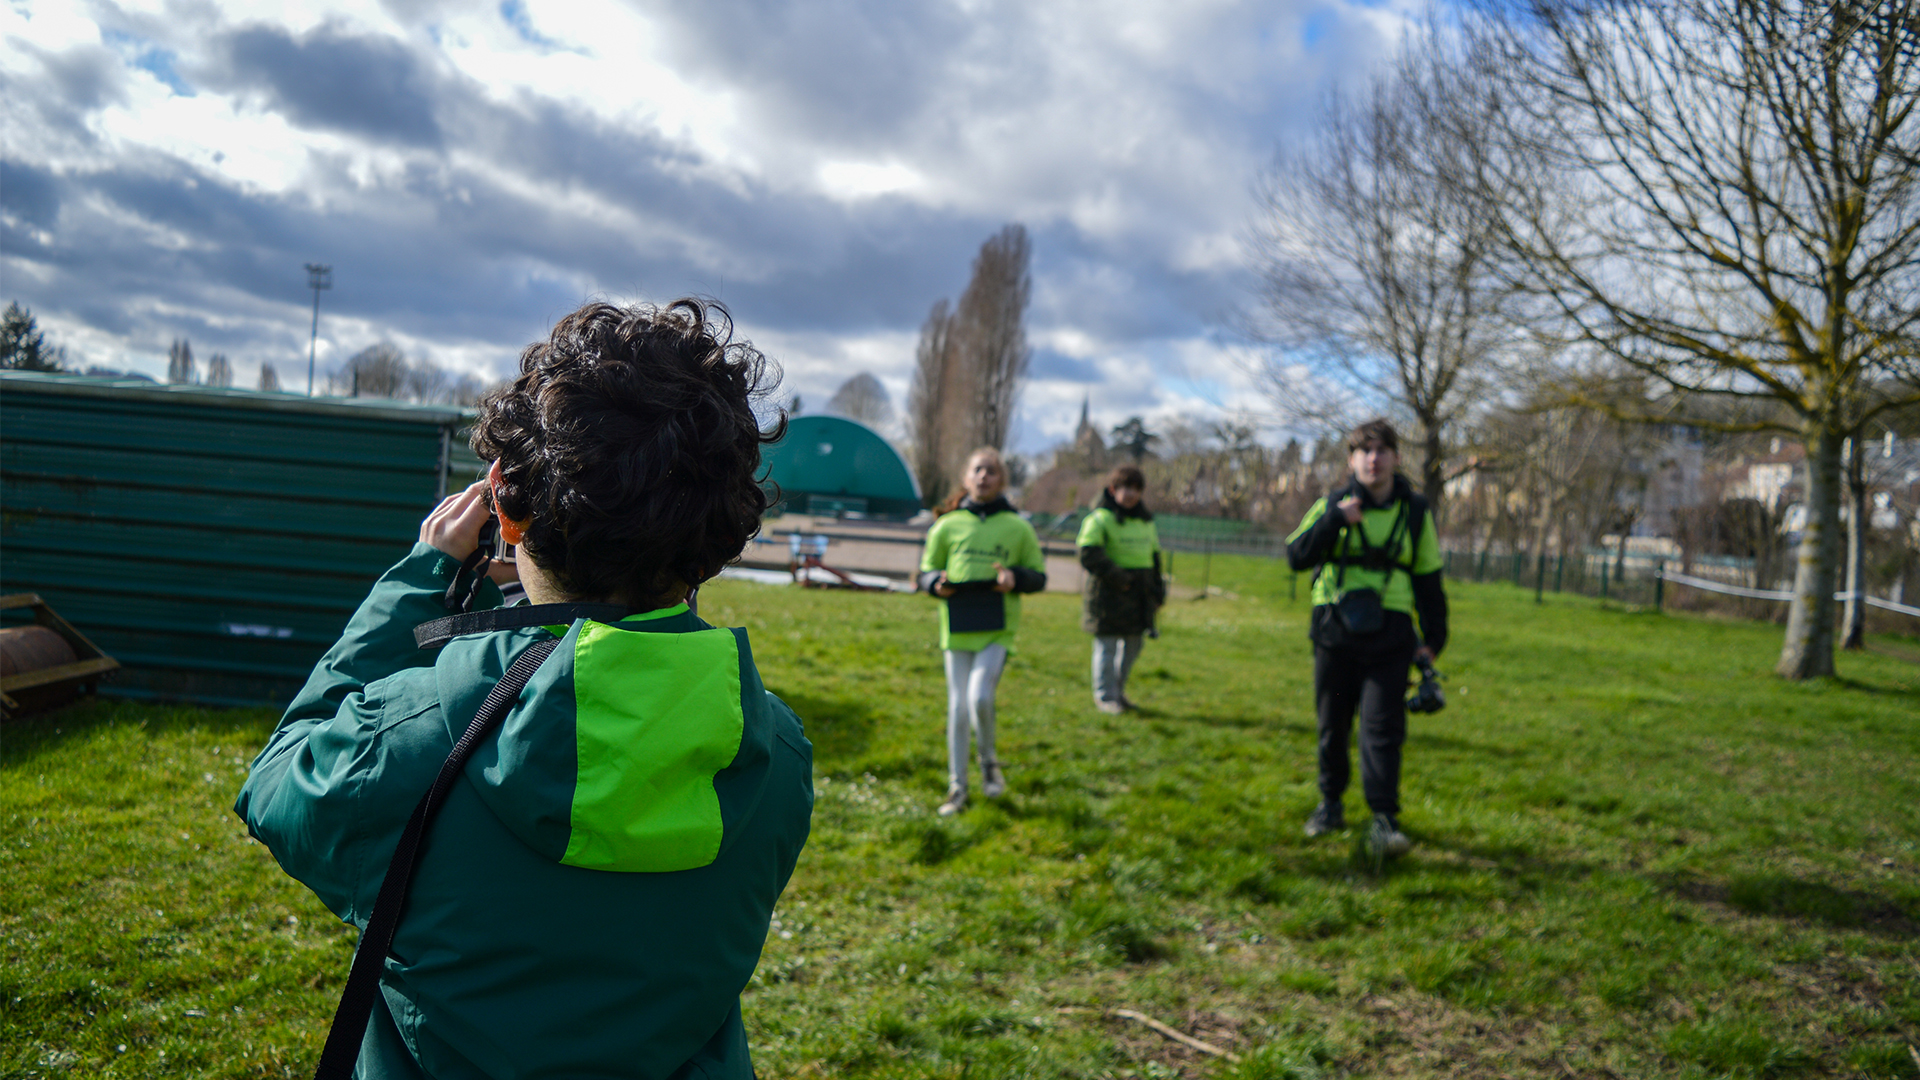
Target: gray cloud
490,215
27,194
328,79
849,72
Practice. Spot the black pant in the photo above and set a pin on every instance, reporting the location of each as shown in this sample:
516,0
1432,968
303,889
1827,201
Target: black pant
1370,676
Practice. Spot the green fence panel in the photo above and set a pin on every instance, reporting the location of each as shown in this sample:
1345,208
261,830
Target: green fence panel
213,541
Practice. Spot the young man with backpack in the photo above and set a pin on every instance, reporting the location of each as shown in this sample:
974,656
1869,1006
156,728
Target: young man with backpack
1376,557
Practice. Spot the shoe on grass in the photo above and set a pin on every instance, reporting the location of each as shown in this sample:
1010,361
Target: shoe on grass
956,800
993,782
1111,708
1386,838
1326,818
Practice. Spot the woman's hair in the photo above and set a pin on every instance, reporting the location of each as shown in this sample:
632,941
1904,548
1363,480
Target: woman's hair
1127,476
1376,428
952,501
629,444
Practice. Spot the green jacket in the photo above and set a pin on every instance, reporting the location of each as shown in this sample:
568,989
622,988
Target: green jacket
965,544
593,899
1120,550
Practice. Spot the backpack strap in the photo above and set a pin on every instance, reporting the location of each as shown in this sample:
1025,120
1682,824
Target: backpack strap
1395,537
437,632
363,982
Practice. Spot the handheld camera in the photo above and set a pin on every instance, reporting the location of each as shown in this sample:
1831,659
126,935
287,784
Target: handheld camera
1428,698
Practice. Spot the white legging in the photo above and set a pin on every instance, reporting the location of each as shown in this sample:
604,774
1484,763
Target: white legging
972,678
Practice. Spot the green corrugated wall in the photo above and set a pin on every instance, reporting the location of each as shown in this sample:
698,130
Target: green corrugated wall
213,541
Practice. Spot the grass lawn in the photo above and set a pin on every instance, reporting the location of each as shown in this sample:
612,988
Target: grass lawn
1638,855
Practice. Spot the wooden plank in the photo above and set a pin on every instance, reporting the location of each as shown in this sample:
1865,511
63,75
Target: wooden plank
28,680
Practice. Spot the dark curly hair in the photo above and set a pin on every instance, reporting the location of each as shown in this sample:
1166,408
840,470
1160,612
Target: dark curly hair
630,445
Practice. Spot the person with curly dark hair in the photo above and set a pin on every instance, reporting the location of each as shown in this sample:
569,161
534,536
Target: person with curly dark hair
595,891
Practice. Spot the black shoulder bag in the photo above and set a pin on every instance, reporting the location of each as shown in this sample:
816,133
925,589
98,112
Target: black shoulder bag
1357,614
363,981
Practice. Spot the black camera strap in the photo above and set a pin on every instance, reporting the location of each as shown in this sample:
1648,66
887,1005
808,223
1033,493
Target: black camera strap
474,569
1369,555
437,632
363,981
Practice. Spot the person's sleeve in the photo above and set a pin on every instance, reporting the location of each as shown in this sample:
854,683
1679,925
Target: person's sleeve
1313,540
1030,565
1092,532
1095,560
330,796
1426,553
378,640
934,555
933,558
1093,548
303,793
1159,576
1430,603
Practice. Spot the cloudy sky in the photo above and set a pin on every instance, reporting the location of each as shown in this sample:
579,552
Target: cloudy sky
827,169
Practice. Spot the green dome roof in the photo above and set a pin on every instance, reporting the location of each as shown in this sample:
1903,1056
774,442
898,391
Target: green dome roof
830,465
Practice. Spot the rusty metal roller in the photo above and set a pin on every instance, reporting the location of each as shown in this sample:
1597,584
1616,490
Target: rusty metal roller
32,648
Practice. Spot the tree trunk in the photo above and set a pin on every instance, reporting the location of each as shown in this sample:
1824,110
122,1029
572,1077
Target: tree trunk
1854,615
1808,650
1433,474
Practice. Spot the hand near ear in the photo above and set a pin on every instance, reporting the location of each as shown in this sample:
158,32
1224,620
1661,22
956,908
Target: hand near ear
454,526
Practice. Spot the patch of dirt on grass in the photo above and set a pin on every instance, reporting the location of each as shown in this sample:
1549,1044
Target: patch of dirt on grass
1400,1033
1413,1035
1142,1044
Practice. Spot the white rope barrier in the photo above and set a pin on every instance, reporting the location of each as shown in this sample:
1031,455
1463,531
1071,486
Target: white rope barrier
1777,594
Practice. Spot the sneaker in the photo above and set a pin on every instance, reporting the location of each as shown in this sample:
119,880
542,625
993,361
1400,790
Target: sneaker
1326,818
993,782
956,801
1386,838
1111,708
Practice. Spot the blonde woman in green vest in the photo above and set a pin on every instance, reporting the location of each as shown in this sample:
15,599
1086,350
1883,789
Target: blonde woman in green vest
1120,551
980,556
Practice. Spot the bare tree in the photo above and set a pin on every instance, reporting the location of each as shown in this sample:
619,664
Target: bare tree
863,399
1721,194
930,439
383,371
1376,275
991,330
180,368
269,376
970,363
379,371
219,372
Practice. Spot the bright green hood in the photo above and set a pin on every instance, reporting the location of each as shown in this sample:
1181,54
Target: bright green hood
635,747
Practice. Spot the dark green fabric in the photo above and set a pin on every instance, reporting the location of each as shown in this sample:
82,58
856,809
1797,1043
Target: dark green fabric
1122,589
507,963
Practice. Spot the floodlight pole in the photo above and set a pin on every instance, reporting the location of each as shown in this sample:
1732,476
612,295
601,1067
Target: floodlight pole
318,277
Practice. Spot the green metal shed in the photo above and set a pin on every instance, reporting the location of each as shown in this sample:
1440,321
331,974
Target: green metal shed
213,541
830,465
